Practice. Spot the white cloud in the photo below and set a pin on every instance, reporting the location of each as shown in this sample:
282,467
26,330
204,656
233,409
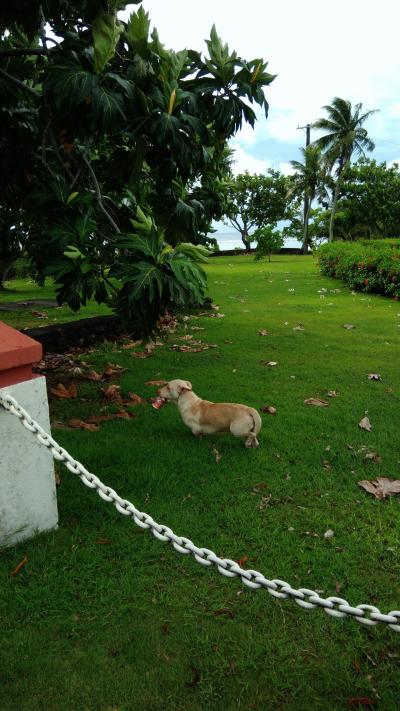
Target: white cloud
245,161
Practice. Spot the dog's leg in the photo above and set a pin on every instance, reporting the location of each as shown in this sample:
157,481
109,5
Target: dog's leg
198,434
251,441
243,428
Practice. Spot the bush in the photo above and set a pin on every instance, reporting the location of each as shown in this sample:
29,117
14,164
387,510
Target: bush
269,241
371,266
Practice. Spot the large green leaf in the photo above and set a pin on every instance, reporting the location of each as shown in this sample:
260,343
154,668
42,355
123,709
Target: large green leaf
106,32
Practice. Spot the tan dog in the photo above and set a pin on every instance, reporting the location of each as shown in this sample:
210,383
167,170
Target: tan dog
204,417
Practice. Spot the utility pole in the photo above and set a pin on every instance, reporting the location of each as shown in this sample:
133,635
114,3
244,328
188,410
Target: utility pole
307,129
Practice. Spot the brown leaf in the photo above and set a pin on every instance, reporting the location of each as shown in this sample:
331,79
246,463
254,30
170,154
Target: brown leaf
19,566
164,629
63,392
299,327
382,487
156,382
331,393
263,332
141,354
112,393
360,701
112,371
121,415
196,677
57,477
373,457
134,400
81,425
93,375
131,344
374,376
40,314
365,424
224,612
259,487
269,363
103,541
268,408
348,326
316,401
242,561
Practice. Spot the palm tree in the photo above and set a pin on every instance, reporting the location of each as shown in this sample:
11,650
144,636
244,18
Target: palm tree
344,136
308,180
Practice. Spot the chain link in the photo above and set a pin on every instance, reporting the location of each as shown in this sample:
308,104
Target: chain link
304,597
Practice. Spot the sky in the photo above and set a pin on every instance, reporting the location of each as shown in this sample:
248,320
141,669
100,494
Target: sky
318,49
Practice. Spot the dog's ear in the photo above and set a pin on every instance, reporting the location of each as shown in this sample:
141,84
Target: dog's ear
189,385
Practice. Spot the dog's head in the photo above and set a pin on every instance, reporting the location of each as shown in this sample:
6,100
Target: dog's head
174,388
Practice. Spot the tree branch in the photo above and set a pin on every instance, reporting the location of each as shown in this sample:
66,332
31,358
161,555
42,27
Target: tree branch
20,84
26,51
98,194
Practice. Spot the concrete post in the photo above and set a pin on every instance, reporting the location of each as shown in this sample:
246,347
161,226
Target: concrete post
28,503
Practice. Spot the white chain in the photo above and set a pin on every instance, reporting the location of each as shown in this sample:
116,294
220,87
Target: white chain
307,599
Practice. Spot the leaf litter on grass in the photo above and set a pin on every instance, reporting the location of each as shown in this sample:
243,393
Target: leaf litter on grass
382,487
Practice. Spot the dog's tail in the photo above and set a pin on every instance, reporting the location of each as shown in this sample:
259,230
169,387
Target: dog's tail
257,422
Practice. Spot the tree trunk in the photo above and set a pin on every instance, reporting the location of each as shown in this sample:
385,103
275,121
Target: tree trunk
245,239
304,247
5,266
335,198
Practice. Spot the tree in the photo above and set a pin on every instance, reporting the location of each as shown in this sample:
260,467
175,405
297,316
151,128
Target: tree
269,241
309,179
257,201
369,204
103,122
344,136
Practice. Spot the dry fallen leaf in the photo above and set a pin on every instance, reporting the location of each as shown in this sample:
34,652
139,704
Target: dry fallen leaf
141,354
112,393
299,327
134,400
121,415
19,566
316,401
81,425
374,376
263,332
131,344
358,701
365,424
40,314
269,363
63,392
242,561
382,487
269,408
373,457
348,326
331,393
156,382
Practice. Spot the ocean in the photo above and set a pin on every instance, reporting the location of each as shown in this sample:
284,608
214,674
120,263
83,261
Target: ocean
232,240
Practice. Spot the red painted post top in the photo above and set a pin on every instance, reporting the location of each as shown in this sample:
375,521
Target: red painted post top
17,355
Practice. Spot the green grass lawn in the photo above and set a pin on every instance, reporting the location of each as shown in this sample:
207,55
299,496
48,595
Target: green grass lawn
26,290
104,617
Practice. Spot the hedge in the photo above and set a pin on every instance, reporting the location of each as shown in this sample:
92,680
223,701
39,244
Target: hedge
373,265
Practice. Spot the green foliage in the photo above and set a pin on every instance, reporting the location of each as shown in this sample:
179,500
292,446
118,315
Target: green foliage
106,119
369,206
371,266
258,200
309,180
345,135
269,241
155,276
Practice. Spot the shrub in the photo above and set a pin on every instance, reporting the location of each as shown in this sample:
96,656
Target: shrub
371,266
269,241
